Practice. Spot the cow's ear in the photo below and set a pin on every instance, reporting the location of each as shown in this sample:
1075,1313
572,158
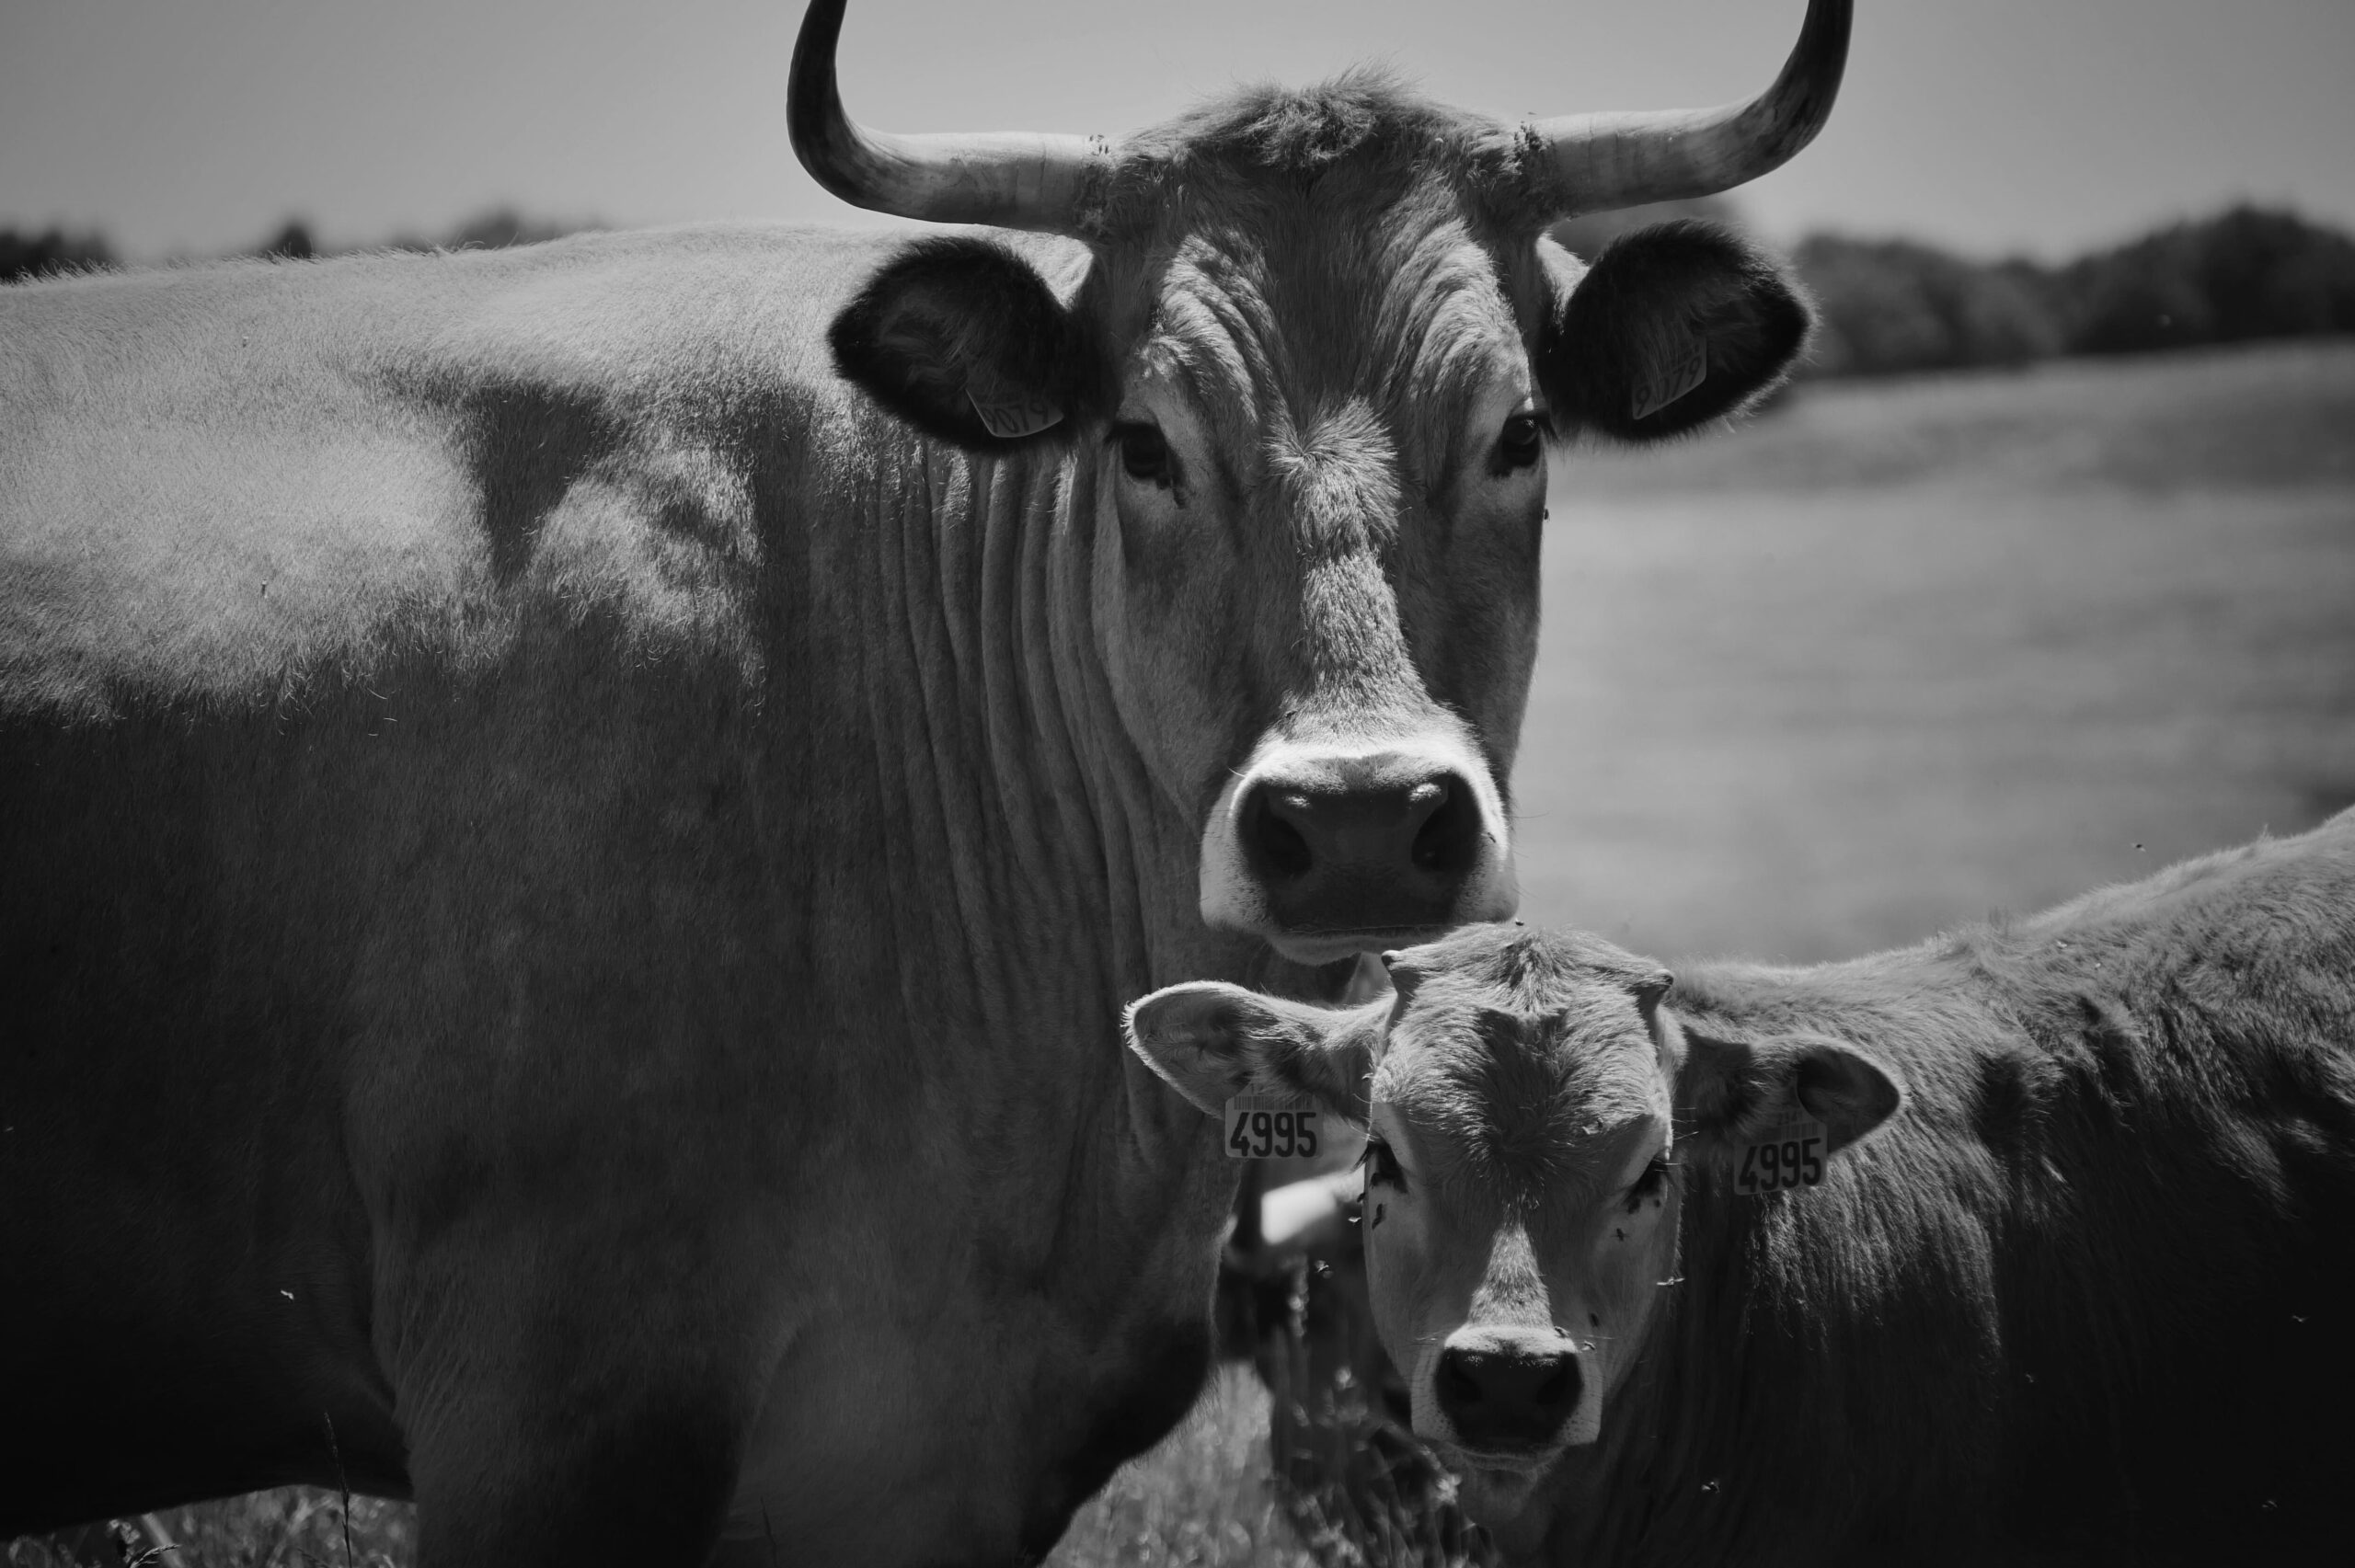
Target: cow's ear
1672,326
1212,1041
1730,1091
963,339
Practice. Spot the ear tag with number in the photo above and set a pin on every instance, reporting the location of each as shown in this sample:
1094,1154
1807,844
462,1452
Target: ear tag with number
1270,1126
1669,379
1007,412
1788,1152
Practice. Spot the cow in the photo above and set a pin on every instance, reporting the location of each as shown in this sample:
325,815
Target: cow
577,821
2034,1242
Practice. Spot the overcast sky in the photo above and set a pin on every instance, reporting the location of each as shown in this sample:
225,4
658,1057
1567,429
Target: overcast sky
1989,125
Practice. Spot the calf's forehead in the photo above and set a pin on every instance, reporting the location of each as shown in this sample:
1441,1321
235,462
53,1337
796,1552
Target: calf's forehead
1513,1106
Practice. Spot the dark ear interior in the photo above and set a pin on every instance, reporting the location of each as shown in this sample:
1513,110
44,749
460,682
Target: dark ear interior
964,341
1672,327
1729,1089
1212,1041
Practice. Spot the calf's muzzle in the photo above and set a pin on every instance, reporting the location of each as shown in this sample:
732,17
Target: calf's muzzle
1507,1396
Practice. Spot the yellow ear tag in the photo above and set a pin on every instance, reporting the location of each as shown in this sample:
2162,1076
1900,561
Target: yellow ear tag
1788,1152
1006,412
1270,1126
1671,379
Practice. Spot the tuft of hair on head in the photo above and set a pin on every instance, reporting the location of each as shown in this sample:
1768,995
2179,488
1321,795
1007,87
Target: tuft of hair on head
1530,969
1271,127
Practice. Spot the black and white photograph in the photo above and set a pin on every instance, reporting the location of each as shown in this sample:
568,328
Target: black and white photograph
1290,783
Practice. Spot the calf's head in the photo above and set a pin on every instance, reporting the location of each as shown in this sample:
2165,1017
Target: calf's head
1305,365
1533,1109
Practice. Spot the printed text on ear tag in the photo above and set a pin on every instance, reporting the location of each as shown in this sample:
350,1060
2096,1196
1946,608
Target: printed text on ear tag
1788,1153
1007,412
1665,382
1270,1126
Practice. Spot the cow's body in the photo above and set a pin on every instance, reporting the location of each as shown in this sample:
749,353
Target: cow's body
566,848
575,822
2088,1297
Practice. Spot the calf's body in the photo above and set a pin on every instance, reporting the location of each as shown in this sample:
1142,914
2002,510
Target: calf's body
2077,1284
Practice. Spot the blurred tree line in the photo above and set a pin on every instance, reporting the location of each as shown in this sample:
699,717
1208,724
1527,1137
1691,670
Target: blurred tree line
1888,306
54,252
1895,306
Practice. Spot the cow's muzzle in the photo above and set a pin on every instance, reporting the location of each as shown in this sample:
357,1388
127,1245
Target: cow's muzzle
1327,851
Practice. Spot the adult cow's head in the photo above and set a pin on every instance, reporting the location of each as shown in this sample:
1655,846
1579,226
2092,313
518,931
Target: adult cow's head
1534,1111
1309,364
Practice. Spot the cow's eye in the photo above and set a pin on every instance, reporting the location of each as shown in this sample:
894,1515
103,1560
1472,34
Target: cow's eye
1381,1167
1650,1186
1144,456
1524,440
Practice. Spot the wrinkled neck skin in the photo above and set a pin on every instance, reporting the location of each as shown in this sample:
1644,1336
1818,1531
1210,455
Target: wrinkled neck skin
993,1346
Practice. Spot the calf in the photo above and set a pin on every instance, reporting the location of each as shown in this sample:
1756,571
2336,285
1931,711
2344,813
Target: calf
2036,1241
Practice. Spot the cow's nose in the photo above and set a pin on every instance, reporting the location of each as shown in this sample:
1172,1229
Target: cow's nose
1507,1398
1424,828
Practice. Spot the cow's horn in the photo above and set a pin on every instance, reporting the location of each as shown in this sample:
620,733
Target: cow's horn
1013,180
1591,163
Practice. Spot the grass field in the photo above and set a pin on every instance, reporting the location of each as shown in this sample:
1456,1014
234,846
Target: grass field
1895,657
1904,654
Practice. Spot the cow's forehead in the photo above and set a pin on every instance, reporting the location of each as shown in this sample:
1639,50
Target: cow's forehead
1398,307
1308,249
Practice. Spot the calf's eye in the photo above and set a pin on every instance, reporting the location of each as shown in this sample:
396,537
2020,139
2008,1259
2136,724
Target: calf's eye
1381,1167
1650,1186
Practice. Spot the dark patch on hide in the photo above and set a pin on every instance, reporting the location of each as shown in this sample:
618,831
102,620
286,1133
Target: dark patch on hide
524,447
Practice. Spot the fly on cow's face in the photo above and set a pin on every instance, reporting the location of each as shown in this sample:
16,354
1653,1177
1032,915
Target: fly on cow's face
1381,1167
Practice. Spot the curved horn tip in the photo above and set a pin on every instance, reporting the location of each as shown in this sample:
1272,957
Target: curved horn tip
1598,162
1016,181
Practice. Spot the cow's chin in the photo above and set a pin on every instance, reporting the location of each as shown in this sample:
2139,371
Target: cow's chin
1317,947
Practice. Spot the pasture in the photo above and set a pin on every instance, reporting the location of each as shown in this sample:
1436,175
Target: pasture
1893,657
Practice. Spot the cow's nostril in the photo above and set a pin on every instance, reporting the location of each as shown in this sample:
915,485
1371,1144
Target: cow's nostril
1447,839
1271,833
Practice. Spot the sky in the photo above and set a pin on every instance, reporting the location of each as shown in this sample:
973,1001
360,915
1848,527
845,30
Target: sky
1994,127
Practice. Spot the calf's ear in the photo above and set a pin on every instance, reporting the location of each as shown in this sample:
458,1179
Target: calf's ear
1671,328
1212,1041
1732,1090
963,339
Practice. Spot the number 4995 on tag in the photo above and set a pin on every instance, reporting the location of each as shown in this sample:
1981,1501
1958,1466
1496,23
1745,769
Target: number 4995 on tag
1265,1126
1788,1154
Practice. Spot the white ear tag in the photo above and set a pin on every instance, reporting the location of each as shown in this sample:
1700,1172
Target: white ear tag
1270,1126
1008,413
1672,378
1788,1152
